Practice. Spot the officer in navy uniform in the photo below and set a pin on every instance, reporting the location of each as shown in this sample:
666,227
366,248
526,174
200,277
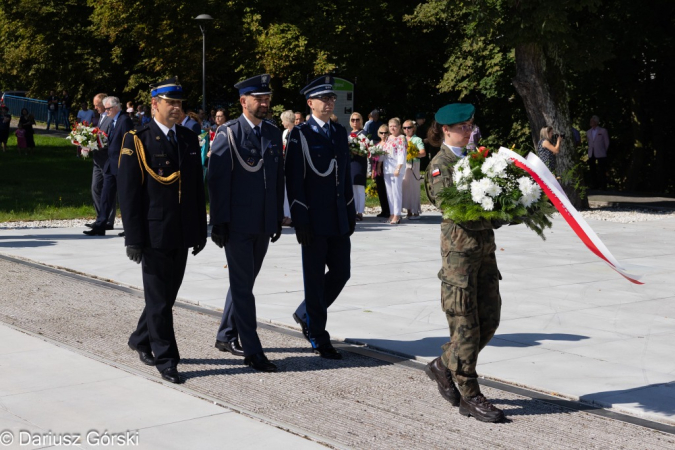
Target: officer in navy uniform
161,195
246,190
319,186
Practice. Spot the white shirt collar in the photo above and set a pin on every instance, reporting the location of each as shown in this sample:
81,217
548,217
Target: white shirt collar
185,119
251,123
319,121
458,151
164,129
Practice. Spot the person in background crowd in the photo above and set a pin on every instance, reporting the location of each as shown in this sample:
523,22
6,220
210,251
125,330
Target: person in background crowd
469,276
21,139
598,143
85,114
52,110
373,124
219,118
359,168
147,117
197,118
298,118
394,168
188,122
204,120
27,121
5,120
99,159
411,180
377,173
288,122
130,109
66,102
546,150
212,117
474,139
334,118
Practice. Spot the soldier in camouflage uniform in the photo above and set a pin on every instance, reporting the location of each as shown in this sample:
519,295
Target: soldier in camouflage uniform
469,276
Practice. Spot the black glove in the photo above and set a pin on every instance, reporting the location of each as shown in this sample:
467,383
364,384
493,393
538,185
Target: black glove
275,237
303,235
135,253
220,234
352,227
198,248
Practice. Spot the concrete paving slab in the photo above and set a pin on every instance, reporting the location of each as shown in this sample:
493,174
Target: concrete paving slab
49,389
549,288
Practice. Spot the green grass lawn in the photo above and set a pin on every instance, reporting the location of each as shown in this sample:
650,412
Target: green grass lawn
52,183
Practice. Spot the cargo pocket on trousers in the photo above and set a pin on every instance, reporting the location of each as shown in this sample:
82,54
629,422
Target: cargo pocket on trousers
457,301
455,270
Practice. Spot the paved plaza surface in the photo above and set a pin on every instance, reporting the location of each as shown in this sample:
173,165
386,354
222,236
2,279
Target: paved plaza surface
570,325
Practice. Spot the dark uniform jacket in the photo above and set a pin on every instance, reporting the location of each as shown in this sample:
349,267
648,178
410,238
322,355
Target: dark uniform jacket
160,209
326,204
100,156
251,202
123,125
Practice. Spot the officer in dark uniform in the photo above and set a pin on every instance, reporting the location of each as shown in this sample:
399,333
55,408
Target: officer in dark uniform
469,276
161,195
318,182
246,189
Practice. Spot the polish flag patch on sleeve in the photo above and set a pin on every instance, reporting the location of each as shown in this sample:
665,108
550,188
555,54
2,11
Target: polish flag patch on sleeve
436,172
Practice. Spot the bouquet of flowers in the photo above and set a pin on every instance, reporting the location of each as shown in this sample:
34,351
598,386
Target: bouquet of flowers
489,186
375,152
359,144
371,190
87,137
412,152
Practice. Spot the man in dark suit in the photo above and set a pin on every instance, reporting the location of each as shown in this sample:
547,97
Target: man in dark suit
189,123
161,194
119,125
99,158
246,189
318,182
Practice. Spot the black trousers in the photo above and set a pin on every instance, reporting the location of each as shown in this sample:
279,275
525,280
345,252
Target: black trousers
108,200
598,172
321,287
245,254
382,194
163,272
96,190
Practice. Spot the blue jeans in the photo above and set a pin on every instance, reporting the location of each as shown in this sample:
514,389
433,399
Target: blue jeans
52,116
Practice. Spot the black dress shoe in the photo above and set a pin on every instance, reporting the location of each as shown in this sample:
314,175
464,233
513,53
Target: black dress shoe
442,376
328,351
382,215
145,357
121,234
171,375
260,362
479,407
89,225
95,232
233,347
303,325
109,227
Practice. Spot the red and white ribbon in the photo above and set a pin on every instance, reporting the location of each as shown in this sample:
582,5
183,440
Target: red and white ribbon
548,183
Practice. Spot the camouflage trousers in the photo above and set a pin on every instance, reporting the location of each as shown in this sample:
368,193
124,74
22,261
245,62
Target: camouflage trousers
470,299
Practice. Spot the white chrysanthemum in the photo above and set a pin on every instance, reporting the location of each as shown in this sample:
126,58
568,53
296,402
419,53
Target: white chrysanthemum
462,187
477,191
530,190
487,204
495,166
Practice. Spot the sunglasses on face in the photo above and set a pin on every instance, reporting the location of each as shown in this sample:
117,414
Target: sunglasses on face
355,120
382,133
408,128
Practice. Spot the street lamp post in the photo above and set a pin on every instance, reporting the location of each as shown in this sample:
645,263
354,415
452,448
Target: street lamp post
202,26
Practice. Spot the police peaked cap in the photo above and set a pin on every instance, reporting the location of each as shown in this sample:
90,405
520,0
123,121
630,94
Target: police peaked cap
257,85
319,86
169,89
455,113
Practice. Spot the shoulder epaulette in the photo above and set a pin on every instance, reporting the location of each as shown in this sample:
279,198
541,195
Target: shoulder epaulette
229,123
270,122
140,129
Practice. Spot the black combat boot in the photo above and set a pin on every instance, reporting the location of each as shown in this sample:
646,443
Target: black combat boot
480,408
442,376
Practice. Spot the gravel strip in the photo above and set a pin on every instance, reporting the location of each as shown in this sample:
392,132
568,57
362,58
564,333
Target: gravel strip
359,402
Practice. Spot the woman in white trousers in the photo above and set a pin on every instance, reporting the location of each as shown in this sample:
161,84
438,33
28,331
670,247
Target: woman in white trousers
394,169
412,179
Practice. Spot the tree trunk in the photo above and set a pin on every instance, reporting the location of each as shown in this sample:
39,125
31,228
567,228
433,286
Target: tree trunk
541,84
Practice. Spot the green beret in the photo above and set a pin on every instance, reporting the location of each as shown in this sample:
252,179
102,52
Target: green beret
455,113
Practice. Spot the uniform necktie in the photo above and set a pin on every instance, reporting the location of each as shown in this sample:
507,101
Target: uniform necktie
256,130
325,129
172,141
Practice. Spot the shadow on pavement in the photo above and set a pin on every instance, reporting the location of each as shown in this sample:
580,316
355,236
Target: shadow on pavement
656,398
531,339
24,244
